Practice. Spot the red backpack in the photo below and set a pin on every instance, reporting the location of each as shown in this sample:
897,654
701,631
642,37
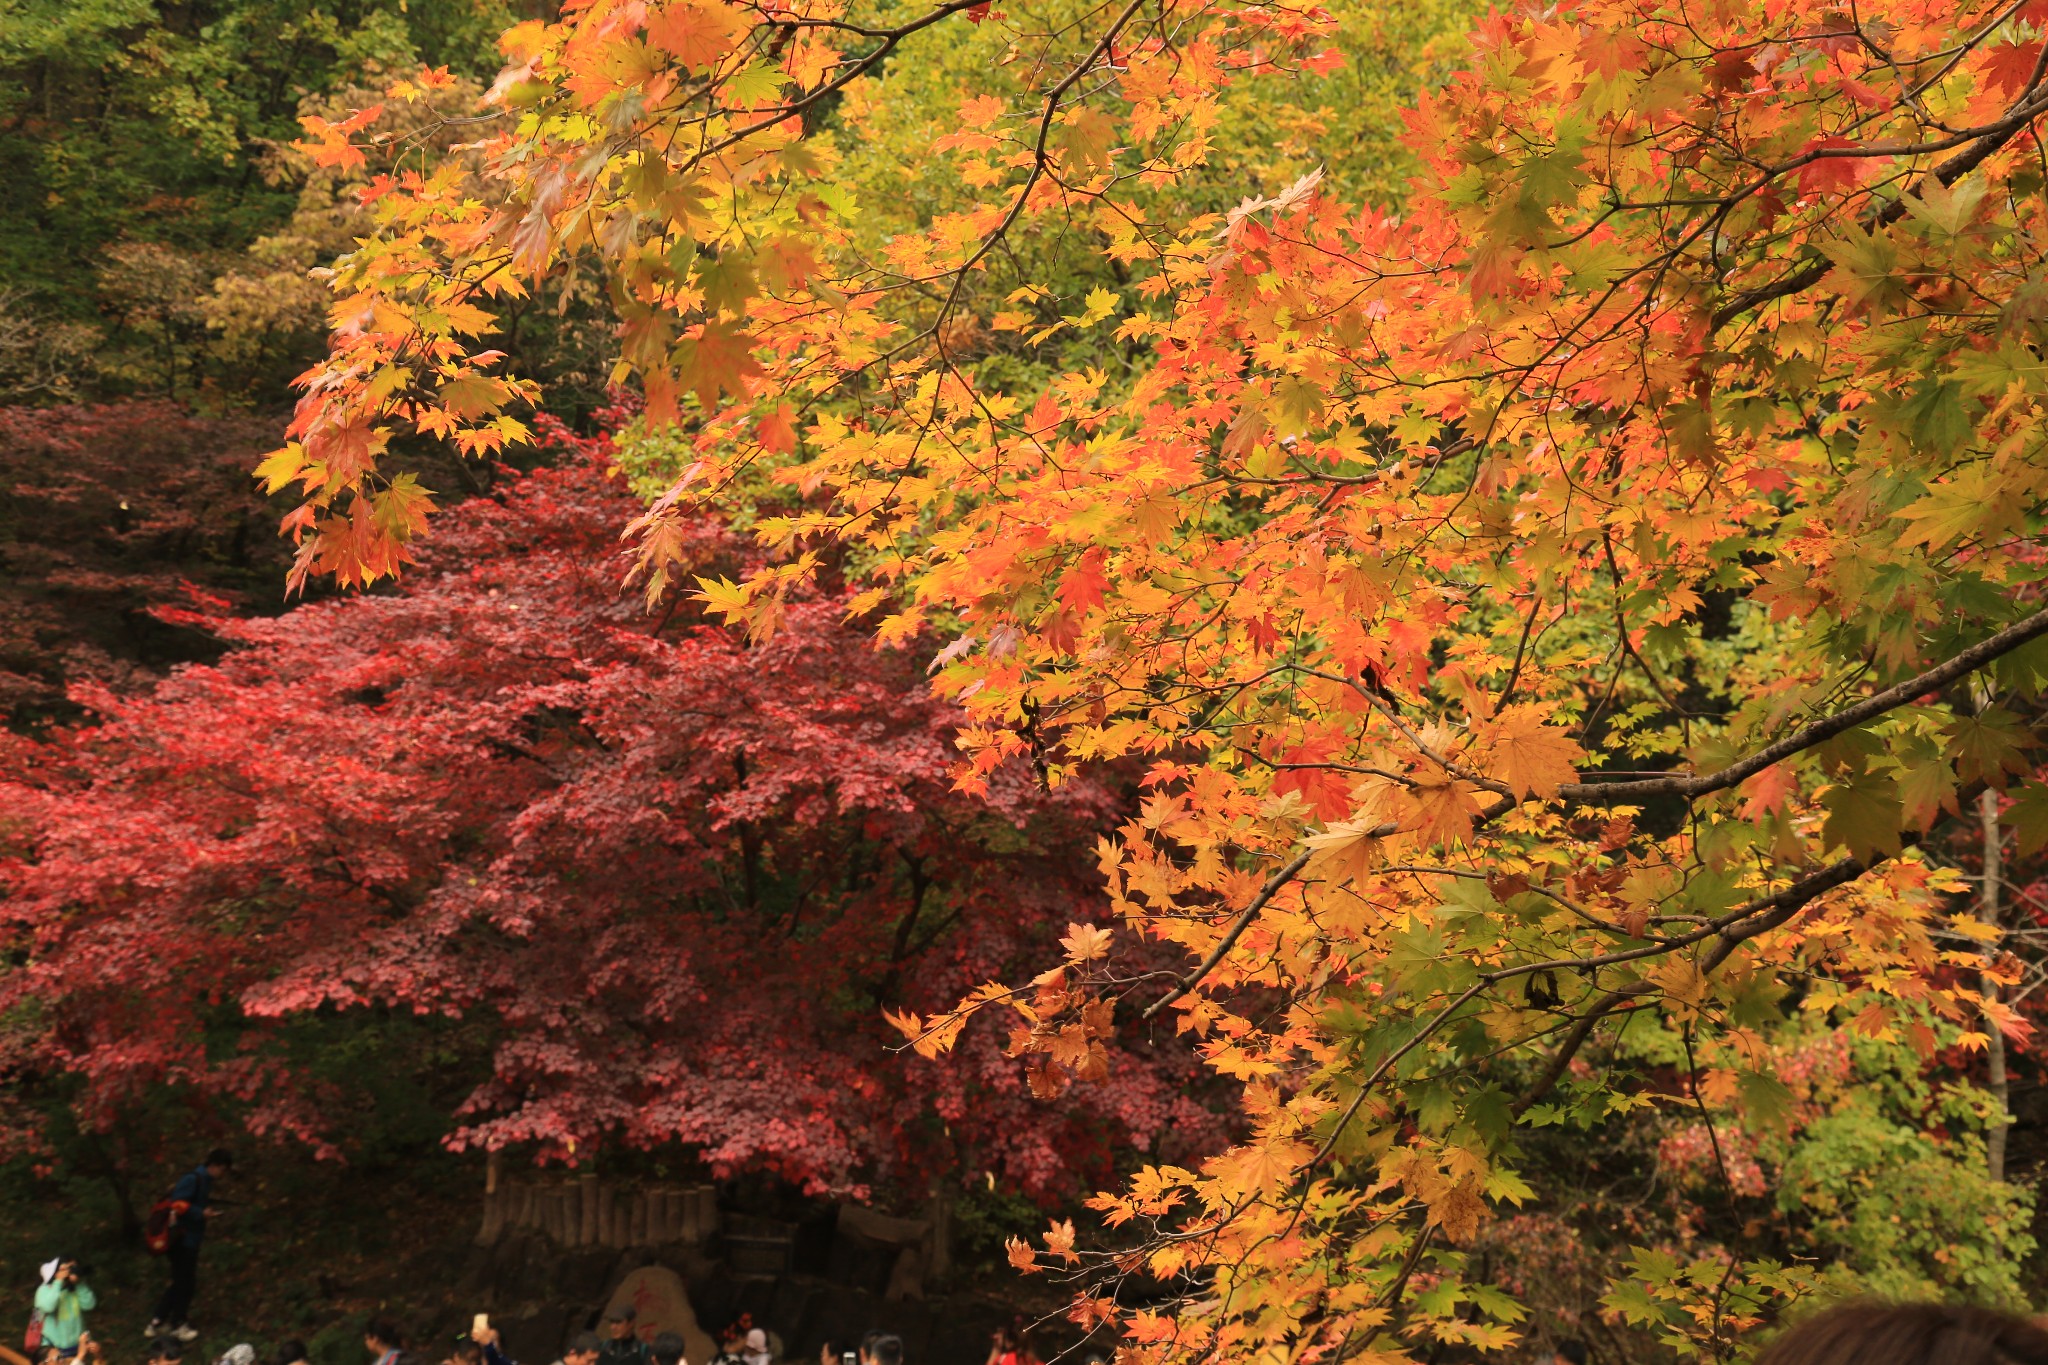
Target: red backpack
158,1227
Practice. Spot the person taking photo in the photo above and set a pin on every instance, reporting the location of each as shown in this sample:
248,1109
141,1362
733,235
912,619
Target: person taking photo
62,1301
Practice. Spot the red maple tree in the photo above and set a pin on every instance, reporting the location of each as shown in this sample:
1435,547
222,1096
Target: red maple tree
675,878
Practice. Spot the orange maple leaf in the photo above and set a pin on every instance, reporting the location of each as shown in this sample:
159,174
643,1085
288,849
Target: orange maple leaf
697,33
1531,757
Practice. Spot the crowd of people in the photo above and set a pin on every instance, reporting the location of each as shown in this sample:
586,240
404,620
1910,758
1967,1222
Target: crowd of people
1850,1334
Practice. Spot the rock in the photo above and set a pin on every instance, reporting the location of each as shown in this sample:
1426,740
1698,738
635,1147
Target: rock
661,1304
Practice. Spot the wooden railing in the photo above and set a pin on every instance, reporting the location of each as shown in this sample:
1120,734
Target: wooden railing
587,1211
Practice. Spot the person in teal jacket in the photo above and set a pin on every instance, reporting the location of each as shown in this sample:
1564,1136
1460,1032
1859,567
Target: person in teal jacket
64,1300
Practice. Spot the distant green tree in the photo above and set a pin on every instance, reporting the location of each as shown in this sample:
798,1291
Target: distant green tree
134,138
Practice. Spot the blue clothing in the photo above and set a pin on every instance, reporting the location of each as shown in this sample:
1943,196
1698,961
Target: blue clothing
64,1311
195,1187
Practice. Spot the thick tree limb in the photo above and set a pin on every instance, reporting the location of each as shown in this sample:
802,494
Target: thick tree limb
1976,656
2027,109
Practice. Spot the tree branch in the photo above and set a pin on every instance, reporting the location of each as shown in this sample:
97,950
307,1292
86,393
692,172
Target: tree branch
1286,874
1947,173
2012,637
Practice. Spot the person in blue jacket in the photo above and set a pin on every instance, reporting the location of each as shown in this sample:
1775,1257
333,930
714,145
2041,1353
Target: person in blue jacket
188,1230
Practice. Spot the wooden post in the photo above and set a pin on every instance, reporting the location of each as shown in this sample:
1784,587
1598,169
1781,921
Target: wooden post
693,1223
586,1233
552,1208
682,1207
494,1203
636,1220
519,1214
707,1208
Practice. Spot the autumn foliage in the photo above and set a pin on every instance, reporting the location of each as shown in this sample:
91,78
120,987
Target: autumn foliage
1570,623
668,881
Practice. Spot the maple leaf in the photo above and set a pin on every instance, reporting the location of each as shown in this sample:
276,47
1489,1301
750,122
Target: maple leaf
1083,584
786,263
2027,814
1533,758
1839,166
2010,66
715,362
1345,851
1986,745
1086,942
1925,791
1265,1165
776,431
1439,810
979,111
1864,817
697,33
1086,135
1458,1211
1059,1240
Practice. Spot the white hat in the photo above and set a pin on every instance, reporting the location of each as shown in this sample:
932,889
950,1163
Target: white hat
50,1268
243,1354
757,1340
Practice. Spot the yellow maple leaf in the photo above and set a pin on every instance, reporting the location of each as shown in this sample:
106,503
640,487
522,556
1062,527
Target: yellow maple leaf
1059,1240
1086,942
1344,851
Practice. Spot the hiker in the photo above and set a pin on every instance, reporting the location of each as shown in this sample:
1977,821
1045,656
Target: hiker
583,1350
486,1337
1909,1334
384,1342
756,1351
886,1349
187,1230
1012,1346
668,1349
292,1352
62,1301
622,1345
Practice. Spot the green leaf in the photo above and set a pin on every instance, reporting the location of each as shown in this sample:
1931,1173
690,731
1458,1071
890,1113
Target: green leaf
755,85
1865,263
727,282
2027,817
1765,1099
1946,208
1926,790
1987,745
1935,417
1864,816
1957,509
